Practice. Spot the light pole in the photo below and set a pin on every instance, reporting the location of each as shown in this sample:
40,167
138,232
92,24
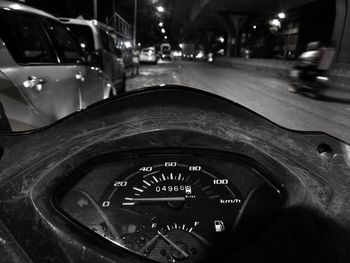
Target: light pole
95,9
114,16
135,20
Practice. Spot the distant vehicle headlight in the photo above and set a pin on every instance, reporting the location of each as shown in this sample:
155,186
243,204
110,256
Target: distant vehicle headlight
177,54
200,55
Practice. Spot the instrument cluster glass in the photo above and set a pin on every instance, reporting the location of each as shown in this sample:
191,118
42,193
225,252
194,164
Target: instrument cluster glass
168,207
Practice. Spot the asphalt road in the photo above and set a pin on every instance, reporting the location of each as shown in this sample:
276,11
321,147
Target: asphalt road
263,93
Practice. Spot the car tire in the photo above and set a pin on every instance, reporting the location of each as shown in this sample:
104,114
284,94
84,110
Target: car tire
123,85
119,88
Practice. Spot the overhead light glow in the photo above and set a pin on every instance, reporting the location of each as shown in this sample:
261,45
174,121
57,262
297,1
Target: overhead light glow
163,30
254,26
160,9
181,45
161,24
165,37
275,22
281,15
221,39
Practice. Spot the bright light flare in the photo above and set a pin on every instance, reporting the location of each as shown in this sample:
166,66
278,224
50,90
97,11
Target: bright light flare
128,44
15,6
322,78
221,39
160,9
275,22
281,15
200,55
163,30
177,53
161,24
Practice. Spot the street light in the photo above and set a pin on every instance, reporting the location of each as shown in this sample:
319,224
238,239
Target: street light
160,9
135,22
163,30
165,37
161,24
95,9
221,39
281,15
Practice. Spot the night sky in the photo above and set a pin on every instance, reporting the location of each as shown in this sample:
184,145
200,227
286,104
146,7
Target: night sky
147,24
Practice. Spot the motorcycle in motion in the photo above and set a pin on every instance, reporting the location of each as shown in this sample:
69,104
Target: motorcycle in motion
309,74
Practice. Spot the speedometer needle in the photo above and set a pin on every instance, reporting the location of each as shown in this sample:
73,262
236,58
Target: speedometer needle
134,201
173,244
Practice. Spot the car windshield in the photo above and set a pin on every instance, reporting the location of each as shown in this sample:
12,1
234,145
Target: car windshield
285,60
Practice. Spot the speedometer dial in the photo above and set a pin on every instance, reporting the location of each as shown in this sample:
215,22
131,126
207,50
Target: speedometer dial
168,209
182,210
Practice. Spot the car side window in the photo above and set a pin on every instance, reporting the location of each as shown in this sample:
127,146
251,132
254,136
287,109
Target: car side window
66,45
26,39
107,41
84,35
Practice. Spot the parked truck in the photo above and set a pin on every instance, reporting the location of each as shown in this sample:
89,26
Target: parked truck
188,51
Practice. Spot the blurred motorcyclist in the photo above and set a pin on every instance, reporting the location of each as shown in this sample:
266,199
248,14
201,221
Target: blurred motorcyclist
309,73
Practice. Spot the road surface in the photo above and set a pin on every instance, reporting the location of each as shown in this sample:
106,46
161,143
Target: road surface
263,93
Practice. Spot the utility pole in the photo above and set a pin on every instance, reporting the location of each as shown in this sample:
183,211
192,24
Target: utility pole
95,10
135,21
114,16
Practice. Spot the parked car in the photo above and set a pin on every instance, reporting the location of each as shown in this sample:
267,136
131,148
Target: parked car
48,69
148,55
97,37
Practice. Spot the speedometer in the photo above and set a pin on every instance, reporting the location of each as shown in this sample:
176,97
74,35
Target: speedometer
172,220
170,209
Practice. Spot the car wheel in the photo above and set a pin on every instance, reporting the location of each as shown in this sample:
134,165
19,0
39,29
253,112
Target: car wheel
123,85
